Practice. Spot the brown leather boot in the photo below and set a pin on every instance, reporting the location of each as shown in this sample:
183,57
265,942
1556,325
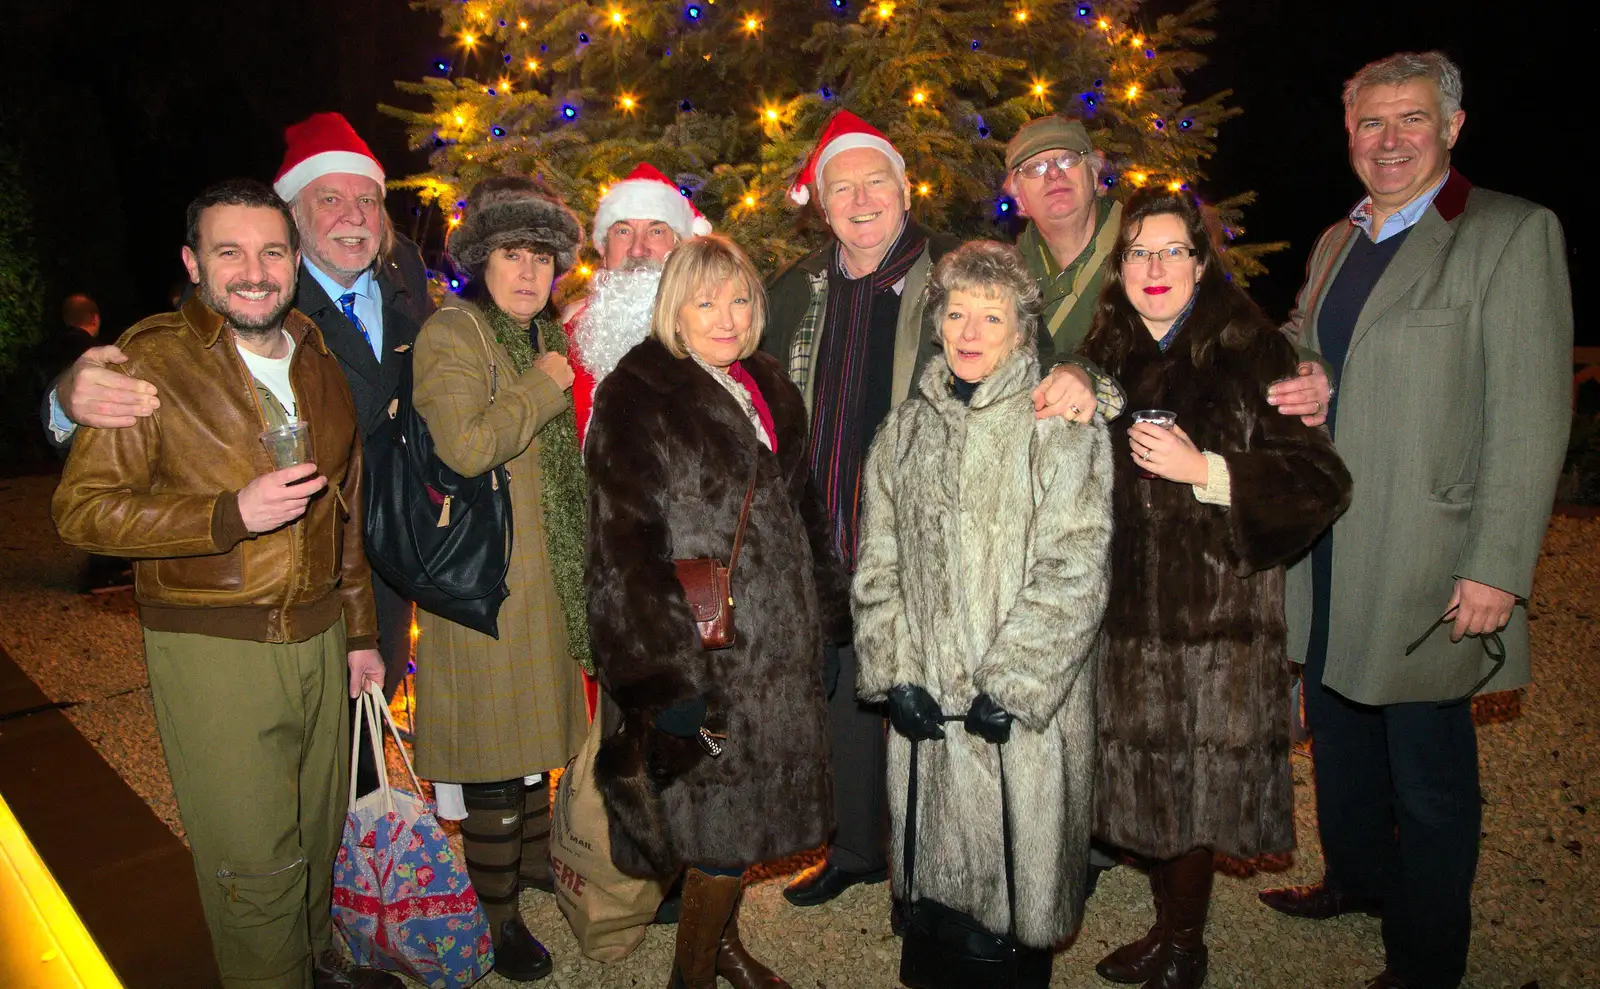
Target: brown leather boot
1186,896
708,902
1134,963
735,964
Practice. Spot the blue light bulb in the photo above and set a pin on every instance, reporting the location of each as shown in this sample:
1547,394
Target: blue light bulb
569,111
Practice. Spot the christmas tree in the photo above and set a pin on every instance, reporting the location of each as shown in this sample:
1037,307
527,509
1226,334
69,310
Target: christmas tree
727,96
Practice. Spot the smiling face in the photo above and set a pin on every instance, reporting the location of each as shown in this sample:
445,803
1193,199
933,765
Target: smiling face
714,322
638,239
340,217
1160,286
244,267
518,280
1400,140
864,200
980,330
1056,195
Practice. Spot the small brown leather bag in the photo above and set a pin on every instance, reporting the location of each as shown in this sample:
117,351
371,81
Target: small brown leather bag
708,585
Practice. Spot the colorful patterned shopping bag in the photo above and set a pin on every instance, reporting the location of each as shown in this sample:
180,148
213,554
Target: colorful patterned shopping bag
401,899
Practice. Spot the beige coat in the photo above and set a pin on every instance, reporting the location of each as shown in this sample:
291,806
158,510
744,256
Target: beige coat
487,709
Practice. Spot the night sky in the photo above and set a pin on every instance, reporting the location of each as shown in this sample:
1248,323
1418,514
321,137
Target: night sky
124,111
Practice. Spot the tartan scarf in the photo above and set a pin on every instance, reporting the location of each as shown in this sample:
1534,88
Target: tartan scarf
838,448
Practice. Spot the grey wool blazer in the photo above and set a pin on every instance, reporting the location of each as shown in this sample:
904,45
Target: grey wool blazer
1453,420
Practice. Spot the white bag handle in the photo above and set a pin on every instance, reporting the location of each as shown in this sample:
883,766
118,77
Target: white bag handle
368,707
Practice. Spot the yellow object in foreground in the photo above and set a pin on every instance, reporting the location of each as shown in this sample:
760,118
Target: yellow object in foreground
43,943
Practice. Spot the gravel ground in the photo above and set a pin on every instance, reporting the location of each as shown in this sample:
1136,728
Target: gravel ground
1536,903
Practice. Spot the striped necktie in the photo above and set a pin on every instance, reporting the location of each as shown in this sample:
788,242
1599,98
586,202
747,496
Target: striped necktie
347,305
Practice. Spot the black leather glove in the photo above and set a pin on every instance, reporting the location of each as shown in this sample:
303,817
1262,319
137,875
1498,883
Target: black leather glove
830,671
914,713
683,719
988,720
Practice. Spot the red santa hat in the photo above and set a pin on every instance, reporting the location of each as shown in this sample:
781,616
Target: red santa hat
843,131
319,145
646,194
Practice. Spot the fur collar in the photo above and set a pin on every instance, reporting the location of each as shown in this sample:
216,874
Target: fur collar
1017,374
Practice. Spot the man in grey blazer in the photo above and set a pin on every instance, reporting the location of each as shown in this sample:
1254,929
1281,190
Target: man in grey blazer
1446,314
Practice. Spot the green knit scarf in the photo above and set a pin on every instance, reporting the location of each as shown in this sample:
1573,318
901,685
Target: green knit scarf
566,494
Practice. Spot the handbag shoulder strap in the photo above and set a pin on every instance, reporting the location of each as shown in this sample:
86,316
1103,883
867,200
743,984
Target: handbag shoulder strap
744,518
488,352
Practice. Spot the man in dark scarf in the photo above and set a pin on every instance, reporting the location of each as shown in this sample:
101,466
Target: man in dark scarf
847,321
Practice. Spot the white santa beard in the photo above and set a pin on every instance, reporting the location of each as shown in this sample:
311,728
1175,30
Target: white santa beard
615,318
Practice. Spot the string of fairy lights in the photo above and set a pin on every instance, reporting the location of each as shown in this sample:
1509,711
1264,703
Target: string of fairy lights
479,29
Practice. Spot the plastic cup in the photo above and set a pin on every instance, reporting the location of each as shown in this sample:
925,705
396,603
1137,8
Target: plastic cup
288,445
1155,417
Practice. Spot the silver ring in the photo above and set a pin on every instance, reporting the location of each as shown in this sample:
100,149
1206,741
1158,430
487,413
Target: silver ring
1318,409
1077,411
1145,455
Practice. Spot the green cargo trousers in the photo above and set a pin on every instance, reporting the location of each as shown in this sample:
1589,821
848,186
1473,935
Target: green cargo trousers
257,737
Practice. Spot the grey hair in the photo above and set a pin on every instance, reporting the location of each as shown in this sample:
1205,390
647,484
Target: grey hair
986,266
1403,67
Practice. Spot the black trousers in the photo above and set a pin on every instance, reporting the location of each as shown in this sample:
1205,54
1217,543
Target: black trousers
1399,814
860,751
394,644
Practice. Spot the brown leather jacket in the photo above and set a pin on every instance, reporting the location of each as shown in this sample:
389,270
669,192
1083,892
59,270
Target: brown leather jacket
165,491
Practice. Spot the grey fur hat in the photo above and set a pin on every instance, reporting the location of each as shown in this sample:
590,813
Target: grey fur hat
511,209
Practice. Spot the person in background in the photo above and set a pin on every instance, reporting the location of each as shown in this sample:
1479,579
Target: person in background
1193,685
491,382
252,585
720,760
1446,314
968,498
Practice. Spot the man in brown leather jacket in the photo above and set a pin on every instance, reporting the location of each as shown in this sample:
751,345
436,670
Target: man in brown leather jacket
252,586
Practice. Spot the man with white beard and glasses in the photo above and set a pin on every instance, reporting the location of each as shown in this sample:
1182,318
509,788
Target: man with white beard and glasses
253,589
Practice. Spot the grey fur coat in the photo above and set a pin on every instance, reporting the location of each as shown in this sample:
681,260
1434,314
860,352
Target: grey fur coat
983,568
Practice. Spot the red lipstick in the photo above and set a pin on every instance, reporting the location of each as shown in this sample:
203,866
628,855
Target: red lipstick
1157,289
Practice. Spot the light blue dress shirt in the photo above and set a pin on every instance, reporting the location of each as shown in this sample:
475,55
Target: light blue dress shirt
368,302
1403,218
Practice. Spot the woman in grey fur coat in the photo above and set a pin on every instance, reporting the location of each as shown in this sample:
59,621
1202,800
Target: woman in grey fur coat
981,582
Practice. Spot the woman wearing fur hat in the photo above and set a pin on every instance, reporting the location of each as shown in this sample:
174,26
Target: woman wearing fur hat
979,586
720,759
492,711
1193,689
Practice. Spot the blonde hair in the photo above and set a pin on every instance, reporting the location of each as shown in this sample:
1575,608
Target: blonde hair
696,266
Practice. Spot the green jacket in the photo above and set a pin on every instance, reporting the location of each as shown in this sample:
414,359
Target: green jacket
1453,419
1057,283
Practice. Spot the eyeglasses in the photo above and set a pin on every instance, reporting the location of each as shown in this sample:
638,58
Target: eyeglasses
1066,162
1168,255
1492,647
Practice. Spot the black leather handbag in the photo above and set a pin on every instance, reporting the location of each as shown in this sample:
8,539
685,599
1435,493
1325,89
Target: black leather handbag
944,948
440,539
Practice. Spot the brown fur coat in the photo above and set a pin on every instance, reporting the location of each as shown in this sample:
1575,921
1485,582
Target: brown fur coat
669,455
1193,692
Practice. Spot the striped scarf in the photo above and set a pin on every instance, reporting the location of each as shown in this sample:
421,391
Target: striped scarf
837,448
